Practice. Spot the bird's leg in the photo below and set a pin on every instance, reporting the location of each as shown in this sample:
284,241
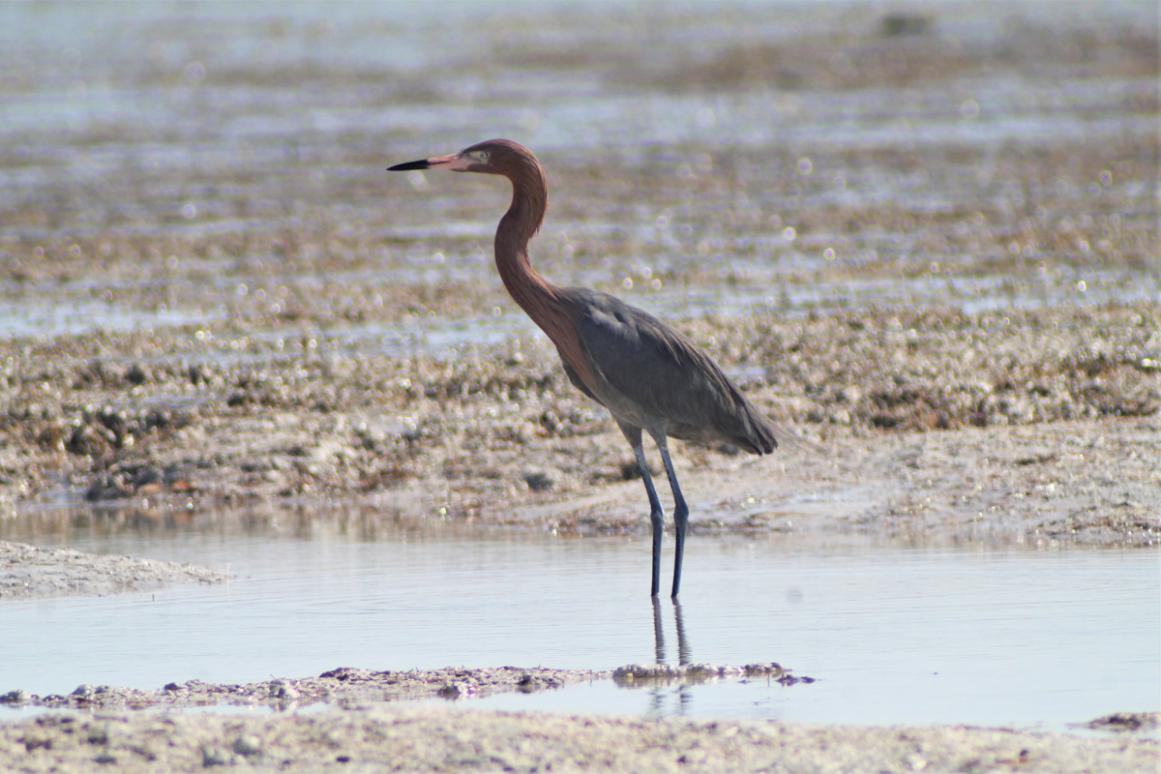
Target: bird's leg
680,513
656,515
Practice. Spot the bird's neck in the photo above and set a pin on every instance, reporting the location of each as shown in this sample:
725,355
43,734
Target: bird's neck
528,287
545,303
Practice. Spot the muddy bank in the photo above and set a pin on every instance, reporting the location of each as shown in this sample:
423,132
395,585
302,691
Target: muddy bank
346,687
454,739
1043,419
341,687
1080,482
354,722
27,571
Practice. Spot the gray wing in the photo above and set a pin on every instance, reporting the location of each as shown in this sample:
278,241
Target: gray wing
665,375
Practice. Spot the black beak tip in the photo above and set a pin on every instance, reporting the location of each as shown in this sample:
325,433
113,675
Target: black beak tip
421,164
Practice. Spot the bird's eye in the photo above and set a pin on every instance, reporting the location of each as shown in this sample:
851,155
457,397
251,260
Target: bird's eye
480,157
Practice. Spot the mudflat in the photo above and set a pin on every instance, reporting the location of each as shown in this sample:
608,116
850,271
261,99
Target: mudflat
404,738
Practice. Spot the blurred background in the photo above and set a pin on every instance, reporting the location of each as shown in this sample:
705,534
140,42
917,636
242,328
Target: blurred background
163,163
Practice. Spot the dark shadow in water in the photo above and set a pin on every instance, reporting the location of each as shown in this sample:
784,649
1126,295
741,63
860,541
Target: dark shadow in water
683,651
659,692
73,520
658,633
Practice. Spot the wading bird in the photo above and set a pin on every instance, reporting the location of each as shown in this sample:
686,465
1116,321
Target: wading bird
650,377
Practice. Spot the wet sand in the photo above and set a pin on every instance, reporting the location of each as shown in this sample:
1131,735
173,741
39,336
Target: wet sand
376,738
27,571
925,243
365,729
1033,427
346,687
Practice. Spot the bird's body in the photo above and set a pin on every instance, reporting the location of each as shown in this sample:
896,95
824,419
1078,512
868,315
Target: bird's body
650,377
686,395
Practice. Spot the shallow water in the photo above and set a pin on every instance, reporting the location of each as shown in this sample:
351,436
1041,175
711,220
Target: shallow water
891,636
445,338
35,317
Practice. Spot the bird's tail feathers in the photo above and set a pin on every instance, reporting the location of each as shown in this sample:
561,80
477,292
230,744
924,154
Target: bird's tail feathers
770,435
759,435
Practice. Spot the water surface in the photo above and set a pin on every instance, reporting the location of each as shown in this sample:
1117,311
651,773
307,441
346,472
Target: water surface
890,635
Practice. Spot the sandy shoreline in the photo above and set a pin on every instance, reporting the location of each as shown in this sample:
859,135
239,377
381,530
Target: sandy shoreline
506,427
27,571
407,738
357,719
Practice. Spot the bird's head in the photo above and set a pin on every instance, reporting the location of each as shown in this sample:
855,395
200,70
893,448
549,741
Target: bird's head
495,157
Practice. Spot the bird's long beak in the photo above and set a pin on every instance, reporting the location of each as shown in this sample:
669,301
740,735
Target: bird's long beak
455,161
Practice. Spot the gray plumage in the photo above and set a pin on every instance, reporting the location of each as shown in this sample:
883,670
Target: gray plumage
660,380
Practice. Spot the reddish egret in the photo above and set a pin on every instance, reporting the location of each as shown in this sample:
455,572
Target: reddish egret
649,376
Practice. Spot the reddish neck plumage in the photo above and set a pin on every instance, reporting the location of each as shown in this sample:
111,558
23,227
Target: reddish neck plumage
528,287
544,302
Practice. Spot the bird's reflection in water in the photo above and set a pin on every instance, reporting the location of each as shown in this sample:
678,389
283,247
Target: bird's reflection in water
658,633
683,654
660,692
